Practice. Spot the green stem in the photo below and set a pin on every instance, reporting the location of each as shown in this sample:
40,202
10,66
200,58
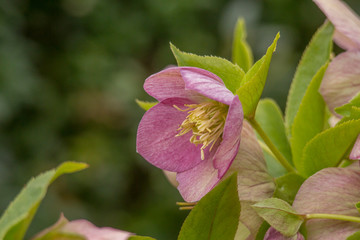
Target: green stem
332,216
271,146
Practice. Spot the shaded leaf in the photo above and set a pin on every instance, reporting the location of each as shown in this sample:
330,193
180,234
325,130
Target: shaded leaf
287,186
280,215
328,148
230,73
331,191
262,231
241,52
17,217
310,118
254,80
269,116
355,236
216,215
315,55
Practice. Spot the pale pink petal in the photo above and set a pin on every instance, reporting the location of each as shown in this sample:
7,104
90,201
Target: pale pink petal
157,142
272,234
198,181
254,182
346,22
169,84
355,153
91,232
171,177
331,191
341,80
207,84
229,145
344,42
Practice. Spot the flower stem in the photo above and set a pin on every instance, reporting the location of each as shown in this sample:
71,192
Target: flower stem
332,216
271,146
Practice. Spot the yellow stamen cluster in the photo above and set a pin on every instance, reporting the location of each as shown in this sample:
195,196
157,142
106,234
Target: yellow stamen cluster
206,121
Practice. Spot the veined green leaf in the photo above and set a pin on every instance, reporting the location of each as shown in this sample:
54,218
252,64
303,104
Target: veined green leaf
17,217
280,215
315,55
216,215
145,105
241,52
253,83
230,73
309,120
328,148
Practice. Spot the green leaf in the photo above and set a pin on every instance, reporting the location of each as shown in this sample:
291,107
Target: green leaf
270,118
357,205
328,148
280,215
262,231
287,186
254,80
145,105
216,215
355,236
230,73
309,120
241,53
17,217
315,55
346,109
140,238
354,114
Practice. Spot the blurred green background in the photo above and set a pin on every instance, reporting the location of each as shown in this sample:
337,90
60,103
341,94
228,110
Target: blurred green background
70,71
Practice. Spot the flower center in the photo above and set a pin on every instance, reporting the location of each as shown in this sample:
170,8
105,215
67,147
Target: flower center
206,121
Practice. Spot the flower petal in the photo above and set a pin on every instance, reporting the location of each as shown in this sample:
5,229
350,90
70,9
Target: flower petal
272,234
169,83
341,80
254,182
198,181
229,145
91,232
346,22
157,142
355,153
207,84
331,191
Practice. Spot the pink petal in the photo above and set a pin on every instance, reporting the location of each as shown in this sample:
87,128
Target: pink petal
272,234
198,181
331,191
156,140
207,84
346,22
341,80
355,153
169,84
91,232
229,145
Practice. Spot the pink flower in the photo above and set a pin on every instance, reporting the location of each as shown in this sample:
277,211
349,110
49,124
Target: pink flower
82,228
341,81
194,130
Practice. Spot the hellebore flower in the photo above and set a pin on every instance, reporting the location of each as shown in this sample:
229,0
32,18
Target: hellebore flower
82,228
194,130
341,81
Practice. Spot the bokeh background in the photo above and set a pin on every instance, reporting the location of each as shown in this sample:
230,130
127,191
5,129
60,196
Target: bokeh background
70,72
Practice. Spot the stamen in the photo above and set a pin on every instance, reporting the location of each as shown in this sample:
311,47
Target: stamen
206,121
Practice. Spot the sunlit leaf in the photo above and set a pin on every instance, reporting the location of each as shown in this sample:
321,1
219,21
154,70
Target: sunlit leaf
254,80
17,217
315,55
230,73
